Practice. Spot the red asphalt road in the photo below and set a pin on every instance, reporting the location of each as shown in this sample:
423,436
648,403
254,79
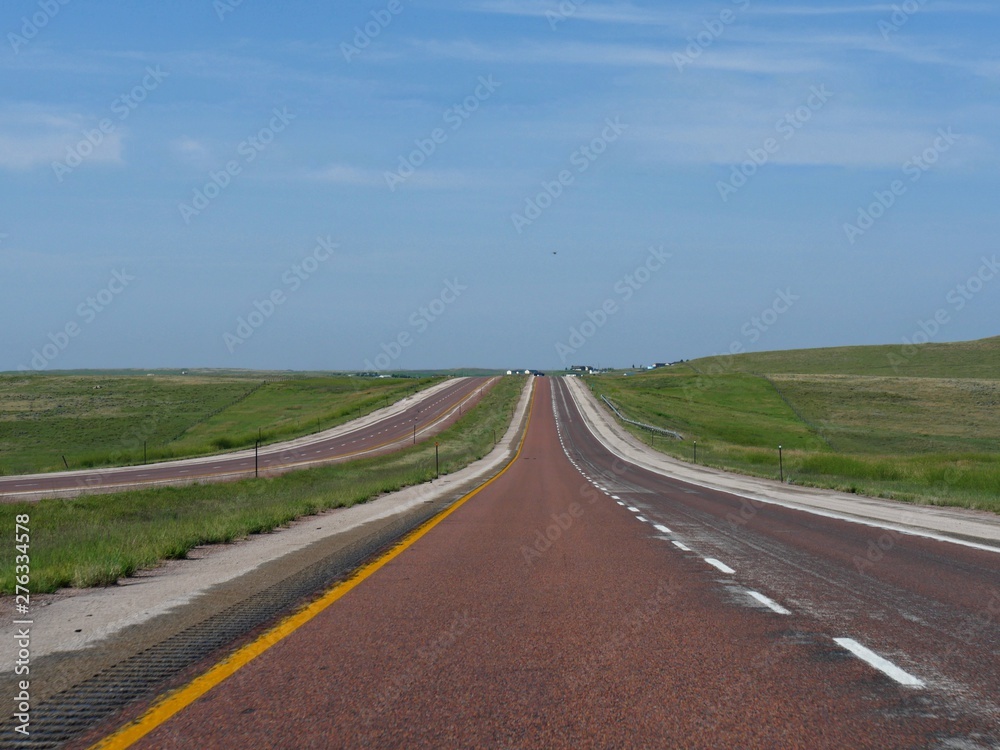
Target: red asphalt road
542,613
390,433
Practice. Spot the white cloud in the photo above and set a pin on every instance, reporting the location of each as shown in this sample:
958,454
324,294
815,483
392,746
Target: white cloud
192,151
619,55
628,14
30,139
341,174
425,178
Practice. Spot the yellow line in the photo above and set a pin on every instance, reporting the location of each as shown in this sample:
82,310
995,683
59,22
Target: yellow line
174,702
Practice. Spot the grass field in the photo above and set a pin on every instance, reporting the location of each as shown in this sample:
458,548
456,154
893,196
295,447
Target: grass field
965,359
929,434
104,419
94,540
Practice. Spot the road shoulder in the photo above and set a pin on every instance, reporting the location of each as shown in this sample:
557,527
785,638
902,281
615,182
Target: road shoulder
977,528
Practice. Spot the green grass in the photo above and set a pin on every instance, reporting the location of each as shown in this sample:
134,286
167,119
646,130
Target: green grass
929,436
94,540
967,359
104,419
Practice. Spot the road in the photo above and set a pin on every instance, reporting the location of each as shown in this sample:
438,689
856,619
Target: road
426,415
577,601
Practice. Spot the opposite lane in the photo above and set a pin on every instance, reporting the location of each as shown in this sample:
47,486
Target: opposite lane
428,414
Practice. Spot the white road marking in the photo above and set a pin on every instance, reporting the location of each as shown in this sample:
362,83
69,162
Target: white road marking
769,603
640,518
634,510
662,529
718,564
872,523
680,545
882,665
621,503
615,497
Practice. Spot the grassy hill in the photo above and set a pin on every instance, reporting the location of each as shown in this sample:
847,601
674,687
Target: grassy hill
965,359
918,424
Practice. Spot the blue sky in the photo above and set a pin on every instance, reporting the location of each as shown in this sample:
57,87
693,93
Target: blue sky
497,183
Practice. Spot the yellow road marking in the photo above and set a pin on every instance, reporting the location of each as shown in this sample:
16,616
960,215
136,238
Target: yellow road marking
174,702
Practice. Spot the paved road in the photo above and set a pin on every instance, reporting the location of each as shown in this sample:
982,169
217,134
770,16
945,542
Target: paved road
577,601
428,414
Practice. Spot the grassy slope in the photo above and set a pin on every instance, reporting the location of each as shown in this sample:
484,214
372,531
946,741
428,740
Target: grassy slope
930,436
46,416
966,359
95,540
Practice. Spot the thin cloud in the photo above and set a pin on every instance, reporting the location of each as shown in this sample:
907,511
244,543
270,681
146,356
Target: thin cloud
617,55
31,139
427,179
628,14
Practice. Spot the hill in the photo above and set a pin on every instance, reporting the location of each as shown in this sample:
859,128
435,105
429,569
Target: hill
965,359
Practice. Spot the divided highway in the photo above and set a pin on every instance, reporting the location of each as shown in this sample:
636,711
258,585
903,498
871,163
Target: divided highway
578,601
428,413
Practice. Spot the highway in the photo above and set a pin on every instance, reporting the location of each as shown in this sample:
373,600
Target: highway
426,414
578,601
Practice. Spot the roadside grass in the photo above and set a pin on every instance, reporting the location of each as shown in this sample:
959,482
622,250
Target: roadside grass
859,414
94,540
742,410
104,419
922,439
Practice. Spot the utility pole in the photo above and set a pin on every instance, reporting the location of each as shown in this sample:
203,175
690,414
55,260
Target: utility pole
781,466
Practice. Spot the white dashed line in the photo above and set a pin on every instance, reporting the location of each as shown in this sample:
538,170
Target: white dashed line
634,510
662,529
640,518
720,565
681,545
615,497
882,665
621,503
769,603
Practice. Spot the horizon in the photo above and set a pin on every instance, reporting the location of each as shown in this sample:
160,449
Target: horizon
434,371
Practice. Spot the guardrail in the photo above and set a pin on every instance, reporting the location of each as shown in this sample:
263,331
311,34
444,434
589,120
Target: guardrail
641,425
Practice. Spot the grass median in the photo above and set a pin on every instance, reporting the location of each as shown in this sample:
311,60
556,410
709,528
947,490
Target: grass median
95,540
